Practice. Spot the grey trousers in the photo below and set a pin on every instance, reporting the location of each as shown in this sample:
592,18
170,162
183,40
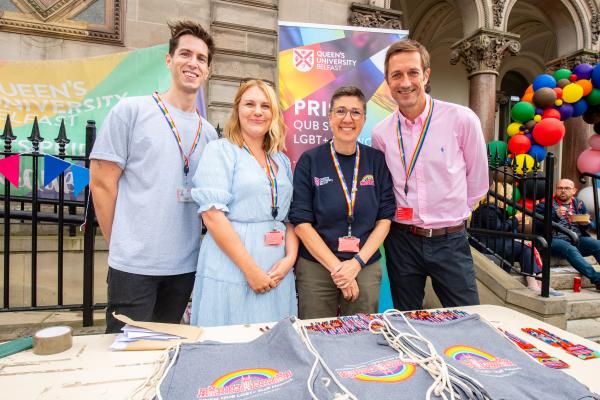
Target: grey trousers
318,297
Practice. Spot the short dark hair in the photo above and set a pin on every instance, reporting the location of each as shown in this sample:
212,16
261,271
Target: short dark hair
187,27
407,45
348,91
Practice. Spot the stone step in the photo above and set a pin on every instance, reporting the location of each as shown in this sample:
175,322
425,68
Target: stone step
48,243
563,279
588,328
582,305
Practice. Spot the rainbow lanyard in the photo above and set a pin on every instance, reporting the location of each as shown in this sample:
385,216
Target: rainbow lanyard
560,204
171,122
408,171
350,198
272,180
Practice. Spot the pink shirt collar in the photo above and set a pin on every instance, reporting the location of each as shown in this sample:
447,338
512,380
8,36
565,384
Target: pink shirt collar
420,118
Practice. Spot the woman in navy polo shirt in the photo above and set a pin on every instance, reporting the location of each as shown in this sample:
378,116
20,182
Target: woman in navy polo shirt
342,207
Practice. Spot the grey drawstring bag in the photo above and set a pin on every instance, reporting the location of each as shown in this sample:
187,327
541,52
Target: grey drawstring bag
277,365
369,369
478,350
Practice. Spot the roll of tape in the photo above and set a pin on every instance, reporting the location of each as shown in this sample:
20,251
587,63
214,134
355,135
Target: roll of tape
52,340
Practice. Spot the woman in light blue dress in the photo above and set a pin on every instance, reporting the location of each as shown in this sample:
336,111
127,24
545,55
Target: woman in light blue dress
243,187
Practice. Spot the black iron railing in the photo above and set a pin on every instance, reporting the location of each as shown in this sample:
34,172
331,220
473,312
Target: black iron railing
31,212
506,221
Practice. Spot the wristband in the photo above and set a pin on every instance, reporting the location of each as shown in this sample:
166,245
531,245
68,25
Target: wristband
360,261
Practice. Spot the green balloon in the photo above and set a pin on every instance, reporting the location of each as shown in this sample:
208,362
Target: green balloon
516,194
510,211
498,151
562,74
523,111
593,99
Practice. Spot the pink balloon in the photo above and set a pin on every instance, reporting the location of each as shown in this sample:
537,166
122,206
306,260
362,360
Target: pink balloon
589,161
594,142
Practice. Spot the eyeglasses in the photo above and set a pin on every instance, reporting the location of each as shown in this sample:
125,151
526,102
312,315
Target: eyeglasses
564,188
341,113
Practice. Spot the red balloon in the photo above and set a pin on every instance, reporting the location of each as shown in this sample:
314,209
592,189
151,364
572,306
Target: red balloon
519,144
549,131
551,113
558,92
528,203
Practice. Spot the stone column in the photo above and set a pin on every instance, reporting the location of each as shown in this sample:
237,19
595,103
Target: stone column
482,54
578,131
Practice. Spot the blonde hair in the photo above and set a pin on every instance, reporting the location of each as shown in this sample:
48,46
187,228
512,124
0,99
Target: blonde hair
275,138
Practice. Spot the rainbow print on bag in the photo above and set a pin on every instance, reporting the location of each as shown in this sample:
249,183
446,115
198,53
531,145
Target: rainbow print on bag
245,381
475,358
386,371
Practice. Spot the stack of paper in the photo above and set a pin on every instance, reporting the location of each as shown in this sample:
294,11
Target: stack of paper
138,335
133,333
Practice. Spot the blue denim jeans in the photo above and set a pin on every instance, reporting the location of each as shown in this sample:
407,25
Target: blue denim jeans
574,255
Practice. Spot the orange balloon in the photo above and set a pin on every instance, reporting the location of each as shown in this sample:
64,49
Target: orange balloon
586,84
529,89
528,97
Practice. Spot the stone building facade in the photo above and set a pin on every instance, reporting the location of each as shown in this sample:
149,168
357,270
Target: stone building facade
483,51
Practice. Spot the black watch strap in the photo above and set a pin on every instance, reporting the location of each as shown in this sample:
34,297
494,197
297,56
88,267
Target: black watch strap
360,261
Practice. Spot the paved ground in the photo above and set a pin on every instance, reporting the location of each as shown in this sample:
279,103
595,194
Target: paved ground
18,324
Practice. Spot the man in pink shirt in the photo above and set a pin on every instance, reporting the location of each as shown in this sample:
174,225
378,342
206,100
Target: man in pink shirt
436,154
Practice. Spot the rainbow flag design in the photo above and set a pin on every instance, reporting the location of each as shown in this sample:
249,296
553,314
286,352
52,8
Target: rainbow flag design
398,374
236,377
461,351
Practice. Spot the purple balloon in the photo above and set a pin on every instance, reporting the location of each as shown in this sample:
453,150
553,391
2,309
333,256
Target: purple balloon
583,71
539,111
579,108
565,110
530,137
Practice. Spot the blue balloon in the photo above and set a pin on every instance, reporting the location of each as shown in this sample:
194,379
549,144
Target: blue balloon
579,108
537,152
583,71
544,80
596,76
539,111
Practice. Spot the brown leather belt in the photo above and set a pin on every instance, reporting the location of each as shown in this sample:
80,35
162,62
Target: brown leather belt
415,230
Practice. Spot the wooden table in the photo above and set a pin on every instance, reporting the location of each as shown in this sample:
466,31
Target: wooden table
89,370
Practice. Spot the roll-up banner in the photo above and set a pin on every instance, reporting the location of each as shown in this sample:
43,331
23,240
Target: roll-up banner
315,60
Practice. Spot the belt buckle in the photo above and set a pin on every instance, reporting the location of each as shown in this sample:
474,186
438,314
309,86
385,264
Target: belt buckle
429,232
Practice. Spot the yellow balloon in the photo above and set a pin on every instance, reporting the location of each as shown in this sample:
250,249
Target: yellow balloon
572,93
537,118
514,129
558,102
524,163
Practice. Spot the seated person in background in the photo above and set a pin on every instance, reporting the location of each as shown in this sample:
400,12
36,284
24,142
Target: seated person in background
570,212
492,216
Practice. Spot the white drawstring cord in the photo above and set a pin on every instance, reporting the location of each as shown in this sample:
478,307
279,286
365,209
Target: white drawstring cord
430,361
158,395
347,394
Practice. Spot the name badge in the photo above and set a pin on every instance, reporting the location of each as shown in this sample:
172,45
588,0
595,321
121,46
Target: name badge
404,213
184,194
348,244
274,238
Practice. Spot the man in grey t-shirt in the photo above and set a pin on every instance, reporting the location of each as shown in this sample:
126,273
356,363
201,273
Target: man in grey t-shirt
141,169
